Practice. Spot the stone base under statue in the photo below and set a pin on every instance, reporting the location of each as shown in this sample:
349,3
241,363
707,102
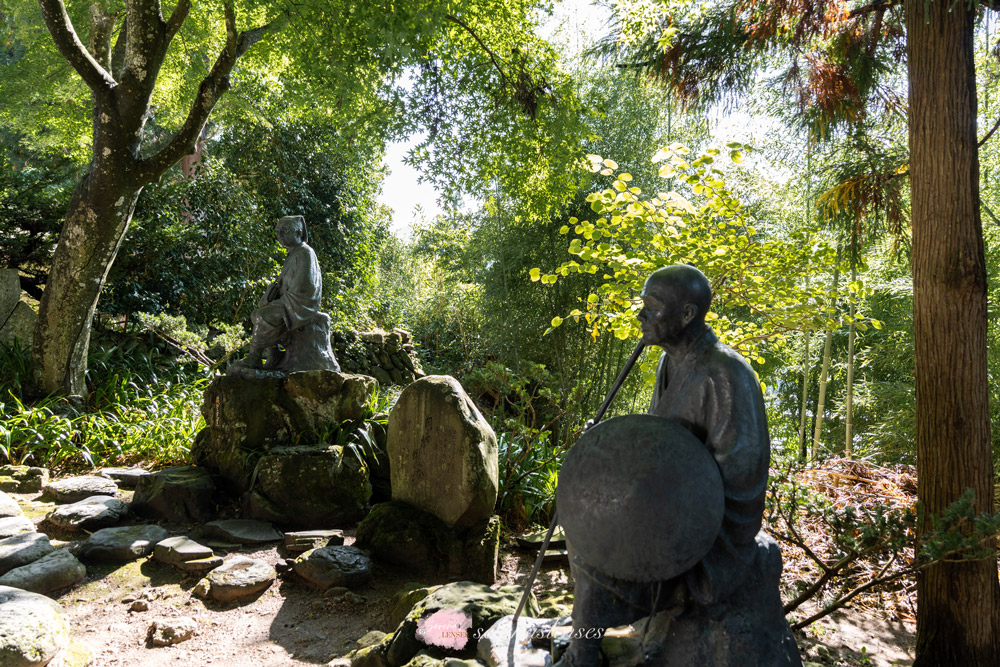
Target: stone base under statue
306,348
747,630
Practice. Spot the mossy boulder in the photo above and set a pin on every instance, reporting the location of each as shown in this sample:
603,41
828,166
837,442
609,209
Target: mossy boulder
449,621
33,628
309,487
400,534
247,418
442,452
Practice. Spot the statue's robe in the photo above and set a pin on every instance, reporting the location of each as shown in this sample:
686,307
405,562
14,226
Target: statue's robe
291,301
713,392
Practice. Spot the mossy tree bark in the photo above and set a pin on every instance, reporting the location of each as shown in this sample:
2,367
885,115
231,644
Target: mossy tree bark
121,81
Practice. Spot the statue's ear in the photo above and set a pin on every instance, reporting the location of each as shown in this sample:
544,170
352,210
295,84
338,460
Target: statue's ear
689,313
305,233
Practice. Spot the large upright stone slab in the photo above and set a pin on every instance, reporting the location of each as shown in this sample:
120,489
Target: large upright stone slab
19,325
10,291
245,417
442,453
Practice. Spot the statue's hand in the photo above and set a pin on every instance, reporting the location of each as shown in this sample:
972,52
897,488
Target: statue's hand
272,293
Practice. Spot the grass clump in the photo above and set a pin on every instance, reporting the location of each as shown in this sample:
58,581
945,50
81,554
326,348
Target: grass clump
143,406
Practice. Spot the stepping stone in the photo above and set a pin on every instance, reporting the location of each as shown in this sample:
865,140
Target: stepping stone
14,525
33,628
304,540
237,579
334,566
122,543
9,506
534,540
182,494
23,549
200,566
58,569
75,489
89,514
125,478
179,549
242,531
22,479
170,631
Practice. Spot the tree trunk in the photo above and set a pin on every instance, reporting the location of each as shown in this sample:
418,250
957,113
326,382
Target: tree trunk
958,615
803,451
851,335
121,81
96,219
825,371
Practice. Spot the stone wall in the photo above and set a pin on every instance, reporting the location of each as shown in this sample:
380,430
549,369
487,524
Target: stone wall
387,356
17,319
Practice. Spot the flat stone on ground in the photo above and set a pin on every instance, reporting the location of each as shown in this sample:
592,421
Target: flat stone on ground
334,566
179,549
33,629
243,531
22,479
89,514
9,506
122,543
23,549
304,540
14,525
125,478
238,578
200,566
56,570
75,489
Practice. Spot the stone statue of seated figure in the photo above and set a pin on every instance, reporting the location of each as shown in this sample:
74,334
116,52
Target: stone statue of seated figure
288,327
725,610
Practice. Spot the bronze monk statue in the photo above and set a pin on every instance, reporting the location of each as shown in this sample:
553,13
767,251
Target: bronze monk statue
721,608
288,326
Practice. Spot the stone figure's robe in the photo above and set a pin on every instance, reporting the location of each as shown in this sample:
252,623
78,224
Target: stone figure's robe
713,392
291,301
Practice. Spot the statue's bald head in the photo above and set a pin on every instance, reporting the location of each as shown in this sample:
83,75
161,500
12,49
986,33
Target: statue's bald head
683,281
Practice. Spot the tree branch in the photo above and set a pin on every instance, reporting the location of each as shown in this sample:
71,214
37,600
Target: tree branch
988,134
212,88
73,50
177,18
493,56
872,7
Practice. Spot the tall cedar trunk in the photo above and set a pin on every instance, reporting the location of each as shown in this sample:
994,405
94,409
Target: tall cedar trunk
959,603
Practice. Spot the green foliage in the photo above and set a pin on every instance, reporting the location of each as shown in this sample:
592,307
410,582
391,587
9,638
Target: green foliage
529,471
755,278
143,408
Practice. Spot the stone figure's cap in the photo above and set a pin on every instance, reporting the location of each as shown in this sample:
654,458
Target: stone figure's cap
297,219
640,498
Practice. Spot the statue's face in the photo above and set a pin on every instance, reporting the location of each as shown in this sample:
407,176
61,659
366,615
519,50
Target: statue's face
664,315
289,235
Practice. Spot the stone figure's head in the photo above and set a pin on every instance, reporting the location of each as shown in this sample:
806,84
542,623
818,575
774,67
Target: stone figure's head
291,231
675,300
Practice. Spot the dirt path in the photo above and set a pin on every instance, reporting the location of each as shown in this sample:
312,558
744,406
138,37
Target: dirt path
292,624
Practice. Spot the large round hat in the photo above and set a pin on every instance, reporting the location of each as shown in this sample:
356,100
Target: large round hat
640,498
